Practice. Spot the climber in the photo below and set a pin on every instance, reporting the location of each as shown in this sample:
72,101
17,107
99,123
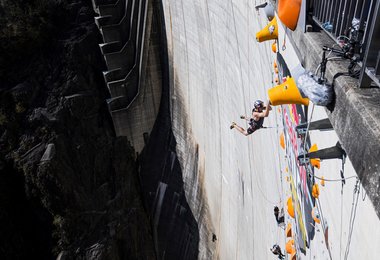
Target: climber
276,250
279,217
255,122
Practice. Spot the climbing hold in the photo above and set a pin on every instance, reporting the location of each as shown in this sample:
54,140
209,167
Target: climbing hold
315,191
276,70
268,10
274,47
282,140
288,12
315,162
289,247
288,230
286,93
315,215
269,32
323,181
276,80
289,203
275,64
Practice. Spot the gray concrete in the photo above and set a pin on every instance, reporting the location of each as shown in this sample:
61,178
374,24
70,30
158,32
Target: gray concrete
132,79
231,182
217,71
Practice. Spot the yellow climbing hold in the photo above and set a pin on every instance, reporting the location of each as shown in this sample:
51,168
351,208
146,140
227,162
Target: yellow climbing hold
286,93
269,32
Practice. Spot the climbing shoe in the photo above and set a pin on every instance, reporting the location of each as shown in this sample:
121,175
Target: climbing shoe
242,117
232,125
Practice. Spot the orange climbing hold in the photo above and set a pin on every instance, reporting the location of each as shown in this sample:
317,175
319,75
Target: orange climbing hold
289,247
289,203
269,32
315,191
288,231
288,12
315,162
323,181
282,140
274,47
315,215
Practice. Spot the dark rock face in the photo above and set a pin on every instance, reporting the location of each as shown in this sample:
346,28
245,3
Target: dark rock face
68,186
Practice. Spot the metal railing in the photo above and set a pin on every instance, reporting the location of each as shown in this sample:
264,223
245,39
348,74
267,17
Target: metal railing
358,22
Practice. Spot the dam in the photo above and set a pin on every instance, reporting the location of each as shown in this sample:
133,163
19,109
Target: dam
210,191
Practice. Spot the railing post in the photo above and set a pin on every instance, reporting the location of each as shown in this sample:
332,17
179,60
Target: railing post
371,68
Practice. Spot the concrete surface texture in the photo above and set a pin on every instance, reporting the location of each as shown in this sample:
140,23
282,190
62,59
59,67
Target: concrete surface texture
217,70
133,78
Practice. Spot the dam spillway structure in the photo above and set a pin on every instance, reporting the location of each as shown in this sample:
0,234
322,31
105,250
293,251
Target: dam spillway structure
179,72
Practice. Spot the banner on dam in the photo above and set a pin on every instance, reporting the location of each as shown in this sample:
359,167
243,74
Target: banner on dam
300,184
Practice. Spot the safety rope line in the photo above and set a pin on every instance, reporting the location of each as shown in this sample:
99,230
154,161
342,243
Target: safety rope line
284,42
269,201
341,223
365,194
323,226
352,217
307,133
332,180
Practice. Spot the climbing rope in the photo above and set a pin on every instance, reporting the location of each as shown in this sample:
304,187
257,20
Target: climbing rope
341,223
365,194
332,180
284,42
355,200
269,201
323,226
306,136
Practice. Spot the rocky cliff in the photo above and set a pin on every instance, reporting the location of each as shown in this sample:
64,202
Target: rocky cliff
68,186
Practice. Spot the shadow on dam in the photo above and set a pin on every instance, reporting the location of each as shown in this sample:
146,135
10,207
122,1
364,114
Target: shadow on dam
175,230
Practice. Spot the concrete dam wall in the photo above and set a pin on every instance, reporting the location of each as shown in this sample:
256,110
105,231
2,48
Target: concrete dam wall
217,70
210,191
